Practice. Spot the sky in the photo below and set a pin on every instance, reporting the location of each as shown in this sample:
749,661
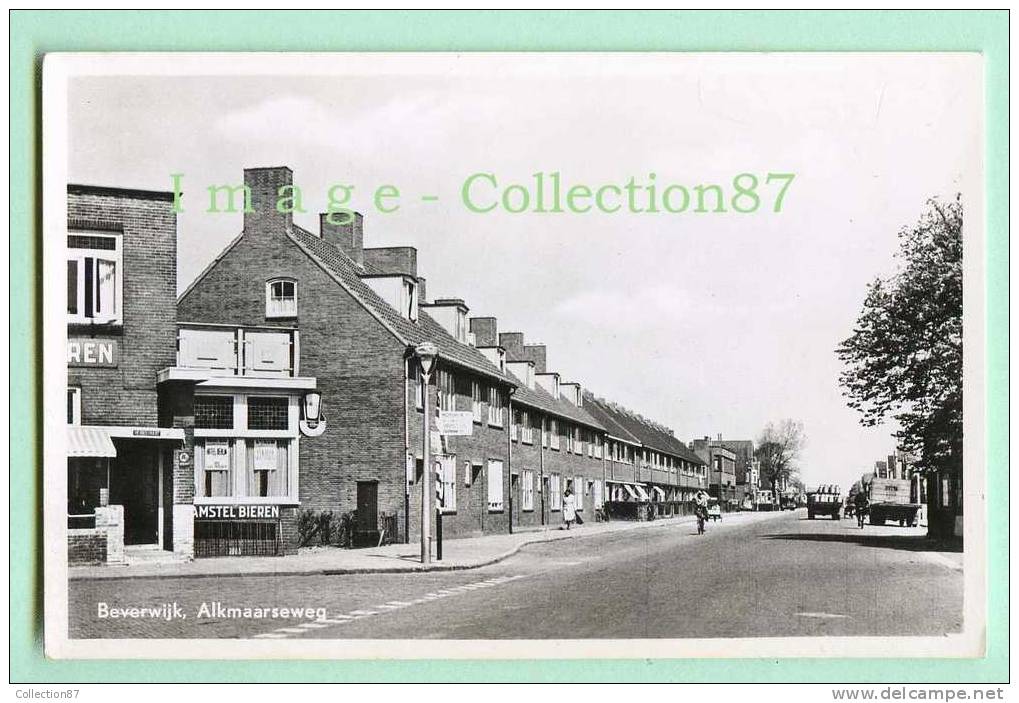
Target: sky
711,323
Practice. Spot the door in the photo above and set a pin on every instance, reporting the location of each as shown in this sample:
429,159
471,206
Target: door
514,498
546,503
134,484
367,522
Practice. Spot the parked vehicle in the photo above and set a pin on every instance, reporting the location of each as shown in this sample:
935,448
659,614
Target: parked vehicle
788,503
714,509
890,502
826,500
763,500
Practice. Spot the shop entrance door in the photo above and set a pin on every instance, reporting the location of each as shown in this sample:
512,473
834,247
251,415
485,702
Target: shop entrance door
134,484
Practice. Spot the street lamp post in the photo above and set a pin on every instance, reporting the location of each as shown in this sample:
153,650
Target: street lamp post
427,354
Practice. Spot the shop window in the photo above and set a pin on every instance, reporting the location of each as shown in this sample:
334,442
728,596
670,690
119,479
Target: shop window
281,298
494,485
73,406
94,278
268,464
214,412
268,413
214,461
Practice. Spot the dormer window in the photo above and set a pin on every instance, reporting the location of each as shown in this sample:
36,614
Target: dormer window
410,299
281,298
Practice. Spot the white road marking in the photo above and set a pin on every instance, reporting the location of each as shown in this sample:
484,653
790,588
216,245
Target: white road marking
824,616
341,619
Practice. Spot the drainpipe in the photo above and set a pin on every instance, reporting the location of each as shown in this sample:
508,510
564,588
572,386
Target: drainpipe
509,451
541,467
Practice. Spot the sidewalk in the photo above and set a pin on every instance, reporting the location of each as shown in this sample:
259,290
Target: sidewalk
467,553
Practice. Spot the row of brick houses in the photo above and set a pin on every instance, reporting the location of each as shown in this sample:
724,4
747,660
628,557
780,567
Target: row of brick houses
282,386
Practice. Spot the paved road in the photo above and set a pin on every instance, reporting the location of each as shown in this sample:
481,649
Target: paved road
751,575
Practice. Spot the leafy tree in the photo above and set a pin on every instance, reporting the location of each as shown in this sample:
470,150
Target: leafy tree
778,451
904,358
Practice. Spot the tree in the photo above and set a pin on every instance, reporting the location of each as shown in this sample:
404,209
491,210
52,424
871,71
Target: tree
904,358
778,451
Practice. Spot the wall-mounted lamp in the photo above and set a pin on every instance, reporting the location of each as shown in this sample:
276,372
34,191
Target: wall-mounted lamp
313,423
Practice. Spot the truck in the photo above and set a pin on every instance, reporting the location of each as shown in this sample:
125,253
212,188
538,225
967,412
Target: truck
890,502
825,500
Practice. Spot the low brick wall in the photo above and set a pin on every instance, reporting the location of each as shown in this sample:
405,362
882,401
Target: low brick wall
86,546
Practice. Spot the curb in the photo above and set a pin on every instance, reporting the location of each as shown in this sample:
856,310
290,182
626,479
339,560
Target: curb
542,537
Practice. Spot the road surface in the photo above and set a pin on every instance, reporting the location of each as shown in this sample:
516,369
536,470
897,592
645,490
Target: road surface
752,575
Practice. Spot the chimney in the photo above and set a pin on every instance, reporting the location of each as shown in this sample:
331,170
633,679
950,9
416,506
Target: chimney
348,238
513,343
264,185
536,353
719,436
485,331
422,292
391,261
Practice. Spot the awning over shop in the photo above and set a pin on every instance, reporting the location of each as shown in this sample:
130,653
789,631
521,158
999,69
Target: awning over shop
659,492
629,489
642,493
89,441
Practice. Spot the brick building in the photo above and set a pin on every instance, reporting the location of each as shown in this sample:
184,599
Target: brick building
121,327
646,463
721,463
746,469
283,384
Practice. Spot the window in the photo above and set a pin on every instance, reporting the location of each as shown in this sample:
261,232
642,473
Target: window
494,485
554,434
515,426
414,373
544,434
410,299
476,401
268,413
495,408
527,490
579,488
73,406
94,278
578,442
281,298
447,472
447,390
214,412
598,494
597,446
268,464
556,491
526,431
568,433
214,461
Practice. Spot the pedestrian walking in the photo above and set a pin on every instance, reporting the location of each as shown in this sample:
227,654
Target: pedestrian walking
569,507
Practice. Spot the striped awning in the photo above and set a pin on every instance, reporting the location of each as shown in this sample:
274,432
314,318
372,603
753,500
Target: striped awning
659,492
89,441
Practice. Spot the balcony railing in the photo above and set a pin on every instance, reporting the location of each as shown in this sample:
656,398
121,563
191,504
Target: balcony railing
229,350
